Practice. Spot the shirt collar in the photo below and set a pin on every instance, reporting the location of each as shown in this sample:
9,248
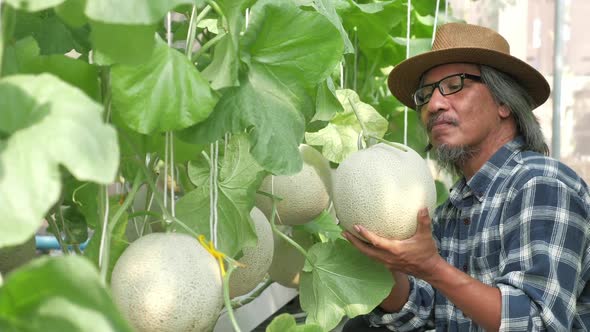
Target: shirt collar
478,185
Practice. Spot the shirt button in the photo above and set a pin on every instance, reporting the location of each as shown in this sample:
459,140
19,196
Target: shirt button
465,268
466,221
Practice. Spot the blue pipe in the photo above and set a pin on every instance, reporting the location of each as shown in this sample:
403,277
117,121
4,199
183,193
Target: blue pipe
47,242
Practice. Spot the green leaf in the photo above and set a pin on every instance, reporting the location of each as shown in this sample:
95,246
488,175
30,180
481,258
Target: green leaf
328,9
239,178
165,93
132,12
327,104
58,294
339,139
286,323
118,43
33,5
50,124
223,69
84,196
51,34
288,52
54,37
75,72
373,21
325,226
339,280
72,12
19,53
74,225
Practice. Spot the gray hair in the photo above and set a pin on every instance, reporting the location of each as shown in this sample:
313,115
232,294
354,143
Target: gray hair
506,91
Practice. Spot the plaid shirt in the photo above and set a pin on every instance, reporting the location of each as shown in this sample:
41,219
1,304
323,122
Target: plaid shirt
521,224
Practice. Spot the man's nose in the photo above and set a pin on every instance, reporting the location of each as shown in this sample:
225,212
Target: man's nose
437,102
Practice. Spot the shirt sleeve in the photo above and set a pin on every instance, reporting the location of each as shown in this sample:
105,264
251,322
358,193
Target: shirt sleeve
416,313
544,235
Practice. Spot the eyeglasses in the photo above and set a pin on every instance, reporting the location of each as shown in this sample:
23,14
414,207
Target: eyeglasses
446,86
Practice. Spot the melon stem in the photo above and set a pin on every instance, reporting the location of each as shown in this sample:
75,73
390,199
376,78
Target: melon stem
398,146
283,235
227,300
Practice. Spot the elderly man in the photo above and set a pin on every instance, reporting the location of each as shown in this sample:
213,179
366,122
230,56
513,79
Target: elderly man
510,248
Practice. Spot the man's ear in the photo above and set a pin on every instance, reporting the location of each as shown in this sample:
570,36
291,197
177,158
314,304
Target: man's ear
504,111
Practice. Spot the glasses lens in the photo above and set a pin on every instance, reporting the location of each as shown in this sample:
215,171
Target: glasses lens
422,95
451,84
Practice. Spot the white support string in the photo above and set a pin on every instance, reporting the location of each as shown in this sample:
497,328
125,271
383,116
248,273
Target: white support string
247,16
172,175
105,223
169,145
213,192
433,36
435,22
409,17
341,75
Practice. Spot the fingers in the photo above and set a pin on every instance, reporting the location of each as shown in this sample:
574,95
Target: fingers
374,239
424,221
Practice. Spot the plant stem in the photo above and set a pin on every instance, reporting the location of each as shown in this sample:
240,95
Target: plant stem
192,28
399,146
356,113
283,235
208,45
226,298
240,303
109,226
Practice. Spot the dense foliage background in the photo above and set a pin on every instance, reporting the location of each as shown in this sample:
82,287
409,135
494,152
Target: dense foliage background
98,101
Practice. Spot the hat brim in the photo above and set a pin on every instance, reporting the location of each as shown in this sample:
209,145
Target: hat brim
405,77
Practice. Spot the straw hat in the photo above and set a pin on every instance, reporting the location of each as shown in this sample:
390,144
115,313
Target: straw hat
460,42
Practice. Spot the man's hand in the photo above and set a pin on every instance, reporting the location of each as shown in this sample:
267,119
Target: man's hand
417,256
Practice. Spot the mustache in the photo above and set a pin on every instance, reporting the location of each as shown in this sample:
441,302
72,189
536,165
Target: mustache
440,118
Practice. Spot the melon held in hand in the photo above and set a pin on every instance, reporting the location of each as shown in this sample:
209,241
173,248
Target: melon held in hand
382,188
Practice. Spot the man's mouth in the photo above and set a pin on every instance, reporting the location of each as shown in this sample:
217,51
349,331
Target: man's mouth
440,120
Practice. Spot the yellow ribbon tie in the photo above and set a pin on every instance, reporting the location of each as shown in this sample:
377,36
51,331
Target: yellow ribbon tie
211,249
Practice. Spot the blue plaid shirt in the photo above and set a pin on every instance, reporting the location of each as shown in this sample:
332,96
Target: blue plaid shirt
521,224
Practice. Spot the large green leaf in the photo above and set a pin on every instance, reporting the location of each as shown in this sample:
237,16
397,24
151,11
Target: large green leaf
328,9
132,12
339,280
287,52
239,178
58,294
49,124
75,72
17,54
72,12
373,21
339,138
165,93
51,34
118,43
33,5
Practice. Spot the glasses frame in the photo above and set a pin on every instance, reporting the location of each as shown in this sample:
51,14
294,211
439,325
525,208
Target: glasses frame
436,85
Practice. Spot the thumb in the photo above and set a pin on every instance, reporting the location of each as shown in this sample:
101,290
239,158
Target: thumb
424,221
